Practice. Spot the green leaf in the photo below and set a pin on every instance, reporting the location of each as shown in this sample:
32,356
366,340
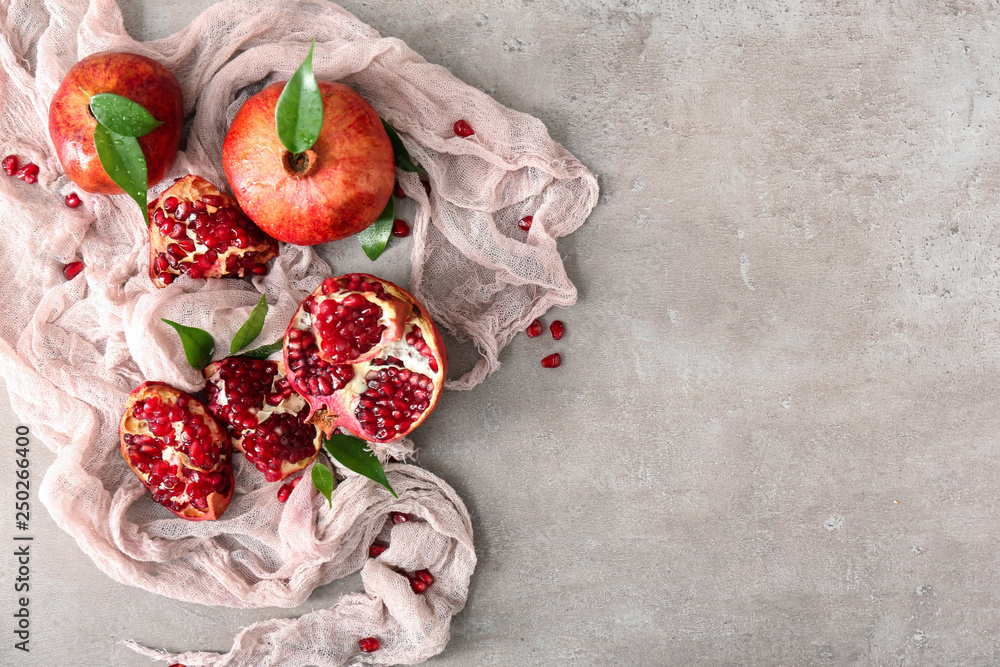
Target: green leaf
403,159
374,238
298,115
122,116
353,454
265,351
198,344
251,328
323,481
124,163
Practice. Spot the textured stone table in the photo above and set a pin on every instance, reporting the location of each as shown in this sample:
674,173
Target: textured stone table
774,435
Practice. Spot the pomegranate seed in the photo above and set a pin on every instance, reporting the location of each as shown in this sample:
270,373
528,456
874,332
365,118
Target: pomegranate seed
72,270
284,492
400,228
399,517
177,664
424,576
368,644
10,164
72,200
398,191
525,222
534,329
418,585
463,129
558,329
375,550
552,361
28,173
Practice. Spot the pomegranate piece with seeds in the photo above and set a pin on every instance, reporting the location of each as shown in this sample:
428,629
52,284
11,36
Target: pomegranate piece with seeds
10,164
366,356
368,644
463,129
266,419
178,451
197,230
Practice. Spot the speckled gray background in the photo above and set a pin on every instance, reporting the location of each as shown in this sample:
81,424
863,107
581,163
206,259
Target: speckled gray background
774,436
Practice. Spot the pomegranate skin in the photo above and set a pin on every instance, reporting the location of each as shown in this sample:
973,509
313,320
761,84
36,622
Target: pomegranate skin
71,126
341,189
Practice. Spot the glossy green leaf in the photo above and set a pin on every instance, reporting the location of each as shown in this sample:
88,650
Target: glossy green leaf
298,115
322,478
353,454
198,344
124,163
251,328
376,236
403,159
122,116
265,351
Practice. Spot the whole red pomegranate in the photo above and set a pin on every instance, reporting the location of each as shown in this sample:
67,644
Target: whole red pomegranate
366,356
265,417
197,230
181,454
333,190
71,124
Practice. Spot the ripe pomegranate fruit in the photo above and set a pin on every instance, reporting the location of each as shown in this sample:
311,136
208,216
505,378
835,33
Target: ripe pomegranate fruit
71,125
333,190
368,644
558,329
266,419
200,231
463,129
10,164
534,329
181,454
366,356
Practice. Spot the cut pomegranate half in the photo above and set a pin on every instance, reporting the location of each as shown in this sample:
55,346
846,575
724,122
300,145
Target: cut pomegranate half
197,230
366,356
178,451
265,417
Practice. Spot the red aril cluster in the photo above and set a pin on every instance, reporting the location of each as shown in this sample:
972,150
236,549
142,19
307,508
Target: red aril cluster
265,417
286,489
28,173
199,231
10,164
558,330
366,356
178,451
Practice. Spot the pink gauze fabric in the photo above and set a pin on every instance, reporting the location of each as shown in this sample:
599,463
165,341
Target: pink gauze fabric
70,351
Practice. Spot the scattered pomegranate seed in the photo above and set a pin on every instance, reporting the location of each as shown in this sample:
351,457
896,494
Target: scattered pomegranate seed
177,664
72,200
368,644
418,585
286,490
525,222
534,329
10,164
424,576
28,173
558,329
463,129
398,191
72,270
400,228
552,361
376,549
399,517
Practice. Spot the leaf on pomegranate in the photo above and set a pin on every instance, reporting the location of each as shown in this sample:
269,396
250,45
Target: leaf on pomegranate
403,159
198,344
376,236
353,454
122,116
265,351
298,116
322,478
251,328
124,163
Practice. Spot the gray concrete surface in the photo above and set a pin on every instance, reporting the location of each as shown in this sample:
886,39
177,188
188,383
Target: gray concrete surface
774,436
